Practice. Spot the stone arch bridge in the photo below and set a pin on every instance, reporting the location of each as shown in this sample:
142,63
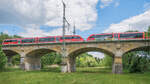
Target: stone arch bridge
31,53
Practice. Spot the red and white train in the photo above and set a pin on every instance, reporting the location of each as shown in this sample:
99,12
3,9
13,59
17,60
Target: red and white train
50,39
119,36
78,38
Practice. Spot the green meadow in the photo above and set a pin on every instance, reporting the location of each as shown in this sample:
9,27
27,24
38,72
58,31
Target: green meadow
82,76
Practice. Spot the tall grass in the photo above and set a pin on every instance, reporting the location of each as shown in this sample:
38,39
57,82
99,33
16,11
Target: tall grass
82,76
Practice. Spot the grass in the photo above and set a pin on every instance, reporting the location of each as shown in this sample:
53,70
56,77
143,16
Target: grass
82,76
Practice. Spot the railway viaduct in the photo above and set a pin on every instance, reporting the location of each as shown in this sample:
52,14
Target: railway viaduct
31,53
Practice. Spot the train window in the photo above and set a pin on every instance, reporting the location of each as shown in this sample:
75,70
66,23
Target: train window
46,39
57,38
10,41
19,41
66,38
133,35
115,35
28,40
92,36
139,35
103,36
76,37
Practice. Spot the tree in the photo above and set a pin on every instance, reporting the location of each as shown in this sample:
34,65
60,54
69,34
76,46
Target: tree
148,29
50,58
137,61
86,60
3,36
132,31
16,60
107,61
3,59
6,36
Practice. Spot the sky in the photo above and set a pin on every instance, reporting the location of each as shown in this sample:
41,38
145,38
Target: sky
38,18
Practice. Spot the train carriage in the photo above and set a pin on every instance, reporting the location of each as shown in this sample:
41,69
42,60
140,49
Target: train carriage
100,37
119,36
131,36
11,41
71,38
28,40
50,39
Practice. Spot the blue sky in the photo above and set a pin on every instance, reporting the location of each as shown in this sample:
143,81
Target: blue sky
90,16
38,18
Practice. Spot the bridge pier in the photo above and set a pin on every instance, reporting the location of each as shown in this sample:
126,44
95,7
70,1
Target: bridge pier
22,64
22,60
117,65
64,66
9,60
32,63
68,64
72,64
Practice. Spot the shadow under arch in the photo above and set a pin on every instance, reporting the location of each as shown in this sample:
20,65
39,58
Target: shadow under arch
40,52
89,49
33,58
143,48
10,52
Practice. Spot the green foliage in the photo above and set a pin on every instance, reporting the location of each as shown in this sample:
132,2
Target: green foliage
6,36
132,31
16,60
107,61
148,29
51,58
86,60
3,59
3,36
136,61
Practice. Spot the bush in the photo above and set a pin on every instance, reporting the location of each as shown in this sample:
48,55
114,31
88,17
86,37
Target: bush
136,62
86,60
3,59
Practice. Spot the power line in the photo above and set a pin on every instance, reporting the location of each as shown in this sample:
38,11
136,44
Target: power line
64,44
74,29
67,23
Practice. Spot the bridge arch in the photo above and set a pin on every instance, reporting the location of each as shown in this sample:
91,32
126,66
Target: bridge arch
10,52
39,52
79,51
72,56
138,48
33,58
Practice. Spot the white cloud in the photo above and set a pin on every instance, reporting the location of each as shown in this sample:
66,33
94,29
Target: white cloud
139,22
105,3
6,32
48,12
97,54
33,30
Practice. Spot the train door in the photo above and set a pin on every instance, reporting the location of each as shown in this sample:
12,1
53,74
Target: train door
57,39
19,42
116,36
